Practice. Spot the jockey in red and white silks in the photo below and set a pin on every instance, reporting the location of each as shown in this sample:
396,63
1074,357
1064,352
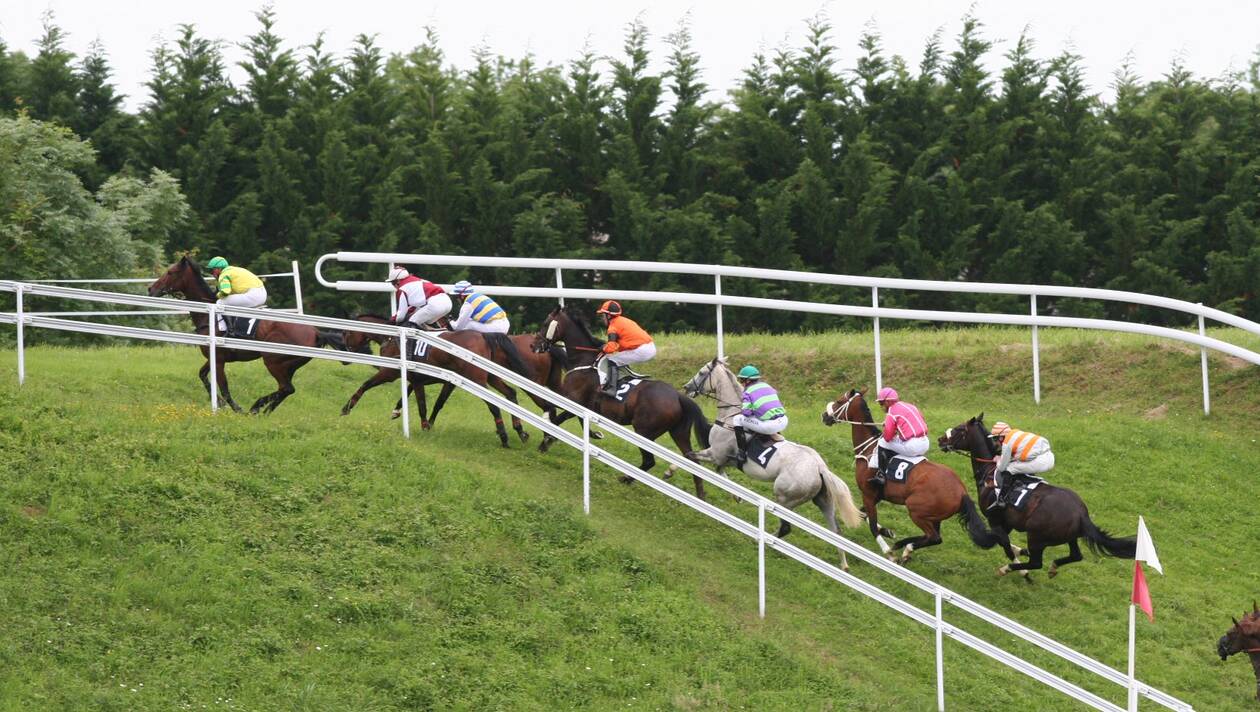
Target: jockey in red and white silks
420,302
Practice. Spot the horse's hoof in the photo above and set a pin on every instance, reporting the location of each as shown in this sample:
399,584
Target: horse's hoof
1054,571
1027,576
1022,552
627,480
345,411
597,435
669,475
426,426
1003,570
395,414
524,436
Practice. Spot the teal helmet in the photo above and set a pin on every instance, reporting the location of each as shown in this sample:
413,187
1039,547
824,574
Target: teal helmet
217,263
749,371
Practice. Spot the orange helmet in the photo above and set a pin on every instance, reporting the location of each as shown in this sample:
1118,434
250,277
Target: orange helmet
610,307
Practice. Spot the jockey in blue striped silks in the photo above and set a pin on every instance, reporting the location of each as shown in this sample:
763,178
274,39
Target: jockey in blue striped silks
479,312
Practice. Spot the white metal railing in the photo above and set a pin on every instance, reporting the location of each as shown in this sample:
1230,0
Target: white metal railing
591,419
294,273
873,312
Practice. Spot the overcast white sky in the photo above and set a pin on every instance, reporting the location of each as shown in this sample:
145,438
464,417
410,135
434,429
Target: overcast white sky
1210,36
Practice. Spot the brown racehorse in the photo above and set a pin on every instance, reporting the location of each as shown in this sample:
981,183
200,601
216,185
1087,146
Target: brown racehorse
931,493
1052,515
652,407
1244,637
185,279
480,344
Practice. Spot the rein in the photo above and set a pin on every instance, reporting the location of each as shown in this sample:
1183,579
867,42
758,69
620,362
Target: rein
721,403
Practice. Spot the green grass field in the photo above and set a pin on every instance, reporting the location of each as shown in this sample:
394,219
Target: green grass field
157,557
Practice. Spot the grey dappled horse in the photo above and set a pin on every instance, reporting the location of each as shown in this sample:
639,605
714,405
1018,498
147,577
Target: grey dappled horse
798,472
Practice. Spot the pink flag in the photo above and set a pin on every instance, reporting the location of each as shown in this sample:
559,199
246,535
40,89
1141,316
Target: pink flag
1142,594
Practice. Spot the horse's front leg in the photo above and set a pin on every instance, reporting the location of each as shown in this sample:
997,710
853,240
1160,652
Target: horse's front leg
869,504
384,375
220,375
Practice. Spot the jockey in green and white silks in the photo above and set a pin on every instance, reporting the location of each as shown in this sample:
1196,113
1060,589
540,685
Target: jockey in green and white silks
478,312
762,412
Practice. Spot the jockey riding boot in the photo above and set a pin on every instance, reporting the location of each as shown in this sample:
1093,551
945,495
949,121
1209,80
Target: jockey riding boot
878,480
999,493
741,446
610,371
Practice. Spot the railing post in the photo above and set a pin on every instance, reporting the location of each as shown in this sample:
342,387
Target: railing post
212,330
586,464
721,338
1036,348
761,557
1207,402
21,335
940,654
560,283
879,368
297,287
403,379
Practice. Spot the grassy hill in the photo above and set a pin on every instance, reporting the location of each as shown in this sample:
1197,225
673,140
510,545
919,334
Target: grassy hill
158,557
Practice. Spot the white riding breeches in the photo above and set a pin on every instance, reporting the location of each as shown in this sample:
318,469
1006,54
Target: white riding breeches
914,447
498,326
255,297
763,427
438,306
639,354
1042,463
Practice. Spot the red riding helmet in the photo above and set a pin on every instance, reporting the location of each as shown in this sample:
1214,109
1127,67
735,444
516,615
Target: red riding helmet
610,307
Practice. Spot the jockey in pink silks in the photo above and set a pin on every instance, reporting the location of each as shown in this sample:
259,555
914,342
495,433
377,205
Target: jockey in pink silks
905,433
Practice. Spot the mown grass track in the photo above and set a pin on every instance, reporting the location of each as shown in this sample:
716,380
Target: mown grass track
309,561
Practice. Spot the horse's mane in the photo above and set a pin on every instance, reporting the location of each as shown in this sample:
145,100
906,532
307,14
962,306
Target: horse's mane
868,415
984,436
580,321
196,268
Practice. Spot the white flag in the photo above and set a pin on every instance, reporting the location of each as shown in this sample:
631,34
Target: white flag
1146,548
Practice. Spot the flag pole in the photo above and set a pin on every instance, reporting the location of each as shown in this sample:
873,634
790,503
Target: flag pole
1133,697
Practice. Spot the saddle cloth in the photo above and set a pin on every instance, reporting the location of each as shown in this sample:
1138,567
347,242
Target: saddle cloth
899,466
1019,498
761,449
624,387
240,327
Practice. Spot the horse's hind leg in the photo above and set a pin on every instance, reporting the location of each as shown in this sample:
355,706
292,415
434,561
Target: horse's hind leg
1074,555
681,435
823,501
510,393
931,537
286,387
498,424
447,389
383,375
1035,551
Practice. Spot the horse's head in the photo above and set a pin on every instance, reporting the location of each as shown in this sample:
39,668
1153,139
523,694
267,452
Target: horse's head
550,332
182,278
702,382
846,409
1243,637
359,341
971,437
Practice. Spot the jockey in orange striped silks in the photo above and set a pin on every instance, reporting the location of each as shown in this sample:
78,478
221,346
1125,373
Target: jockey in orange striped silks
1023,453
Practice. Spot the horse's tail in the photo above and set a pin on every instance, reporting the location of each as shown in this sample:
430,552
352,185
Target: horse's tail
502,342
970,518
691,410
1100,542
327,337
838,492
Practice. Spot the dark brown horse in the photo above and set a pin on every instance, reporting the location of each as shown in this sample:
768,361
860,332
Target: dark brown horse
1244,637
1051,515
184,278
498,349
931,493
652,407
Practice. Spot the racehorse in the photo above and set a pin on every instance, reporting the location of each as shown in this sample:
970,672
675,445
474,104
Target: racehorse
1244,637
651,407
931,492
484,345
545,369
1052,516
797,471
184,278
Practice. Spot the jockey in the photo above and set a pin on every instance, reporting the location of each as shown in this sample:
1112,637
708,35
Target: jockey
478,312
1023,453
762,412
237,287
905,433
627,343
420,302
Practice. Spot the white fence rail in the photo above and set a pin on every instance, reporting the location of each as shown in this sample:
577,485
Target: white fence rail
591,451
295,274
873,312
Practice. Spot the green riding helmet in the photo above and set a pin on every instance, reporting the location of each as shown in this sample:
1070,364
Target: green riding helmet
217,263
749,371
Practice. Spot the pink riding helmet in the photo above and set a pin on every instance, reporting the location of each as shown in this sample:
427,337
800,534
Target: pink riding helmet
887,395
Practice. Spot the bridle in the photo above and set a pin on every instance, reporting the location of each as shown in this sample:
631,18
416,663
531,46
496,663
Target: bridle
549,339
841,415
708,370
